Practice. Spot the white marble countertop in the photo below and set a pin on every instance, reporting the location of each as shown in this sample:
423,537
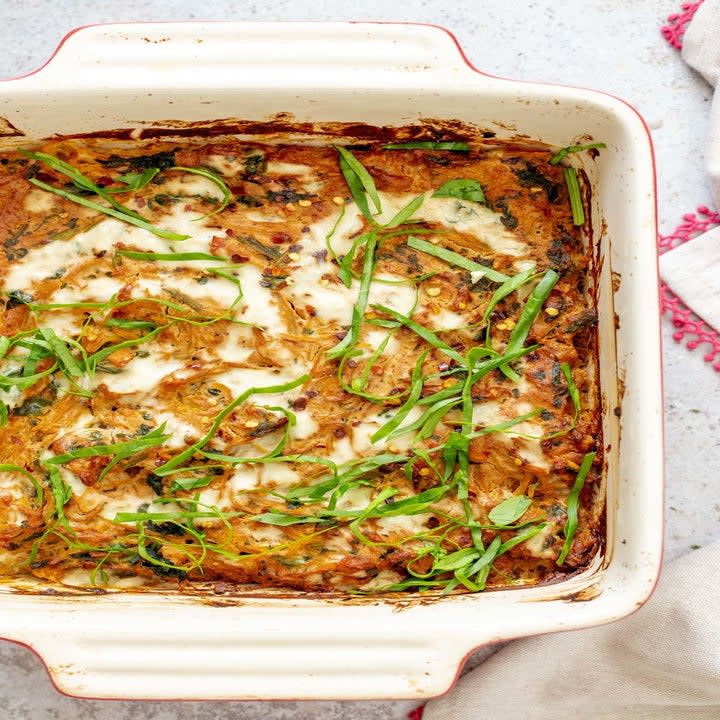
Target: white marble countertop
611,45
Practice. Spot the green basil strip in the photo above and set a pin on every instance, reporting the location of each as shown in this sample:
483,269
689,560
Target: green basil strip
505,425
331,234
130,324
481,568
172,257
423,145
573,504
413,505
277,450
152,439
416,387
216,180
572,390
359,181
576,205
360,383
482,370
24,382
352,471
285,519
93,360
39,494
454,258
345,271
509,286
527,317
186,454
134,181
521,537
466,394
5,345
80,180
428,335
562,154
429,420
455,560
358,311
132,220
190,483
61,493
405,213
61,352
463,189
510,510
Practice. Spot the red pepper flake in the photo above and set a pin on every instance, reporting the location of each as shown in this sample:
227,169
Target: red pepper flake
229,232
140,202
279,238
300,403
340,433
239,258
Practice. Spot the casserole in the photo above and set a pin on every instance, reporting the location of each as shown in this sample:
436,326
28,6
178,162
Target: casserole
211,402
263,646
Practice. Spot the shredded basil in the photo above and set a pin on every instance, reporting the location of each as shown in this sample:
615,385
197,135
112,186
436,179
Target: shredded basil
454,258
510,510
562,154
573,504
425,145
461,188
186,454
573,187
360,182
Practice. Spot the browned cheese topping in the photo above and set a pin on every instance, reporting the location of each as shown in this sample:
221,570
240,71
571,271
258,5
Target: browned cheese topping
352,368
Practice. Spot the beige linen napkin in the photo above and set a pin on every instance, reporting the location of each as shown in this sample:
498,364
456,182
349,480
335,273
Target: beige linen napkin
691,269
662,663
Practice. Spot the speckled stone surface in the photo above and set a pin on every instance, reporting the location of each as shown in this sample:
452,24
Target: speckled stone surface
611,45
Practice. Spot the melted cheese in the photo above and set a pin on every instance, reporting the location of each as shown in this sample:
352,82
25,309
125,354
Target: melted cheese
39,201
237,344
305,426
463,215
279,474
129,503
243,478
42,261
91,289
282,168
13,486
446,320
142,373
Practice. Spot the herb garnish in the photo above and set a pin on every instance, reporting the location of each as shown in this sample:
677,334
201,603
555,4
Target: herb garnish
424,145
360,182
462,189
456,259
573,187
573,503
562,154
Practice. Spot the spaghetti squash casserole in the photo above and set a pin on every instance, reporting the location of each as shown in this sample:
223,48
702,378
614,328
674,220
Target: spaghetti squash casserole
364,368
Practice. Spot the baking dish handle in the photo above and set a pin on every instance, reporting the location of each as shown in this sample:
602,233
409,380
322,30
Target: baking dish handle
160,55
199,656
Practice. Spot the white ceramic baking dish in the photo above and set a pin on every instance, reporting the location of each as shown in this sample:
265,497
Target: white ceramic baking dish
166,646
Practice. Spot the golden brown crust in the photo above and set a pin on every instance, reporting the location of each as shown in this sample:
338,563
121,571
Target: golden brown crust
267,230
